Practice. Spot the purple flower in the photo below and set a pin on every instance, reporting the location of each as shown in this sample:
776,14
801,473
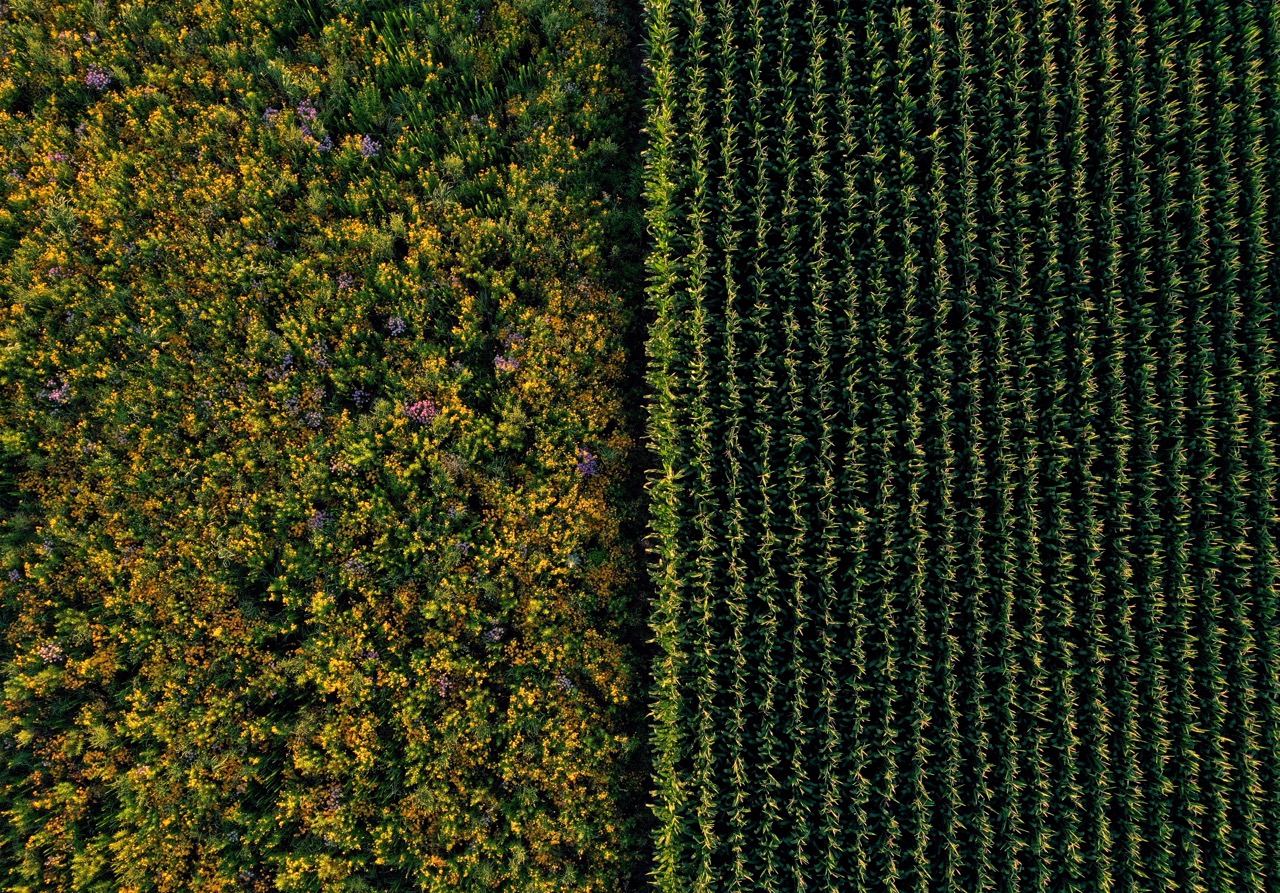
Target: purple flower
50,653
356,567
269,116
307,112
15,575
463,547
317,521
314,419
422,411
495,633
97,78
325,144
361,397
55,273
564,683
56,391
444,684
369,147
345,281
396,326
58,156
588,463
505,364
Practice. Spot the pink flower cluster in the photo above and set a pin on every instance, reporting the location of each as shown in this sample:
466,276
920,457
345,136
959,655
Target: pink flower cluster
421,411
57,392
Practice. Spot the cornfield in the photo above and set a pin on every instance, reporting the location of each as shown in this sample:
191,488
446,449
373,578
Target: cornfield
963,406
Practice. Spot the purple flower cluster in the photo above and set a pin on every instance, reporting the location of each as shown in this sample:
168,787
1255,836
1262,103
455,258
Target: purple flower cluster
356,567
422,411
588,463
98,78
50,653
56,392
325,144
346,281
58,156
444,684
361,397
564,683
369,147
317,521
15,575
307,112
495,633
505,364
463,547
270,115
396,326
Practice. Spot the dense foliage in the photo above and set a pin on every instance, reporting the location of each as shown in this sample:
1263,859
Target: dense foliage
316,573
964,397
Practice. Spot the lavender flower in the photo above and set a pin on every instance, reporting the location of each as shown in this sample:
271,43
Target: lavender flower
444,684
396,326
15,575
588,463
55,273
463,547
564,683
345,281
361,397
97,78
56,392
495,633
505,364
356,567
422,411
58,156
307,112
317,521
369,147
325,144
269,116
314,419
50,653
